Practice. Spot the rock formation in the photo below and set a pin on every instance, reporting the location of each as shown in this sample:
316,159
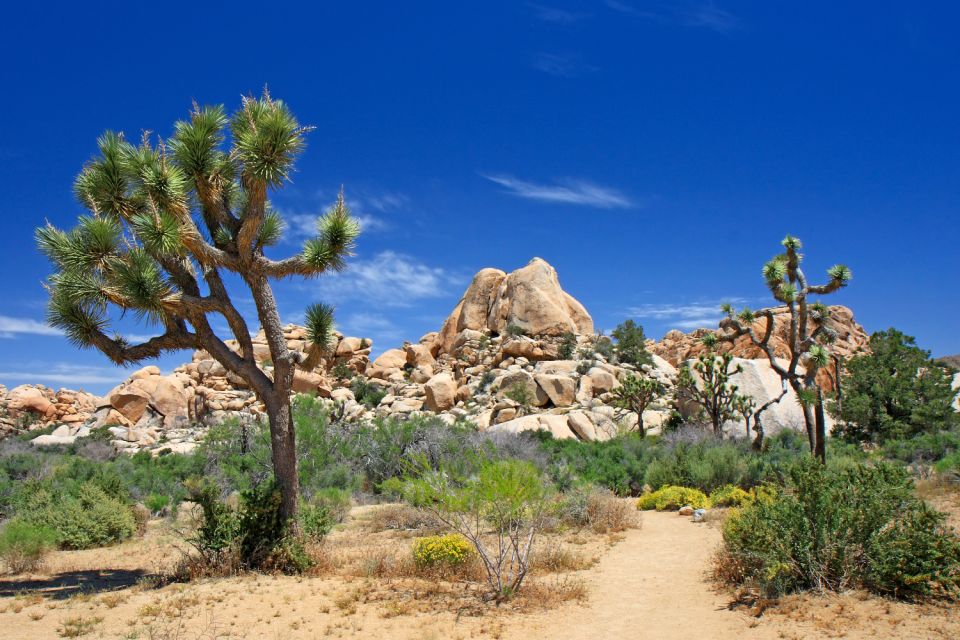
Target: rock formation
677,347
500,344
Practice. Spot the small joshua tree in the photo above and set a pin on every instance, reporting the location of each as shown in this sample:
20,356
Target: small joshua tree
635,394
168,221
743,407
807,337
707,384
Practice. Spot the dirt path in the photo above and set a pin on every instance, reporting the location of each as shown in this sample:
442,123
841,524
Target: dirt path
650,585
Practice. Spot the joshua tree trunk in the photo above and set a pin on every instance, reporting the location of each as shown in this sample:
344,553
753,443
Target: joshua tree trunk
284,451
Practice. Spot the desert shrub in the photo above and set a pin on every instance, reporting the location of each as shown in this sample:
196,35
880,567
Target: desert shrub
85,518
486,380
730,496
520,393
925,448
367,393
670,498
141,518
606,513
340,371
403,517
859,527
396,447
216,529
23,545
618,464
441,551
156,503
514,330
500,509
567,347
252,534
571,506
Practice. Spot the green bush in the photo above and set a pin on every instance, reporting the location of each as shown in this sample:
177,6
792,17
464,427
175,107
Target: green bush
87,518
858,527
670,498
156,503
925,448
367,393
567,347
515,330
23,545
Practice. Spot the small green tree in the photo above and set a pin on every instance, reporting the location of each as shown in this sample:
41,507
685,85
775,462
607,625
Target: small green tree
508,499
631,347
707,384
895,391
806,339
635,394
520,394
168,222
568,344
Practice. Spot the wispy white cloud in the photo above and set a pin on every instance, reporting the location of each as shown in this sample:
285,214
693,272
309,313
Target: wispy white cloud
556,15
568,191
562,65
390,279
304,225
684,316
383,331
370,208
11,327
67,374
693,14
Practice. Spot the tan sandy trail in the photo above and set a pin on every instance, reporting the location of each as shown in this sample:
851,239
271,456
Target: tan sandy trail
651,585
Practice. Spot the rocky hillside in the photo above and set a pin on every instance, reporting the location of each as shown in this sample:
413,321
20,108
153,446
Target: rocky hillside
509,331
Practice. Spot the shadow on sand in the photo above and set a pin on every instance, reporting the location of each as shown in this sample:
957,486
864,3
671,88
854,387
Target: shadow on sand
69,583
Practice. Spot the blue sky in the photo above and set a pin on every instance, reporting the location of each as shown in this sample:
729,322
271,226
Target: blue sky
654,152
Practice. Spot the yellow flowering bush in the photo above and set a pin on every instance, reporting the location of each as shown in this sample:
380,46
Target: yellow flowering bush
671,498
448,550
730,496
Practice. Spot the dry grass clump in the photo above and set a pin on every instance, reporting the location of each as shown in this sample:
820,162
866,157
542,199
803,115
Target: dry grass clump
607,513
549,594
402,517
558,558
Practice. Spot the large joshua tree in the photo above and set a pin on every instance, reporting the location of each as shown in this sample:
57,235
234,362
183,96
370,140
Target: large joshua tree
808,333
167,221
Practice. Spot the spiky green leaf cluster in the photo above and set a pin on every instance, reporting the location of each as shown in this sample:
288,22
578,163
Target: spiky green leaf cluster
320,327
819,356
746,316
775,270
840,273
337,234
787,292
791,243
196,143
267,139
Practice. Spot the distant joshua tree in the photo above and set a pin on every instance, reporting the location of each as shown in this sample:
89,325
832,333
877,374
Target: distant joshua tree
807,337
710,387
635,394
167,221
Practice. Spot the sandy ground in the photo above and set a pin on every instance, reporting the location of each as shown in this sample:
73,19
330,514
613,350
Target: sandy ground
649,582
